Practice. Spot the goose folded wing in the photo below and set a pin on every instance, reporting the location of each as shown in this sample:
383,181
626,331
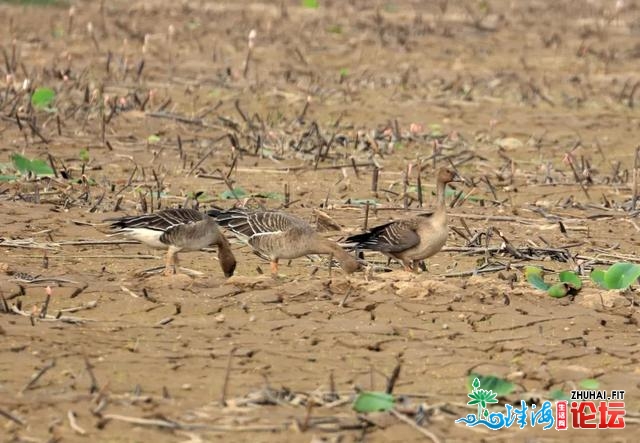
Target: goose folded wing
249,224
183,234
273,221
159,221
395,236
239,222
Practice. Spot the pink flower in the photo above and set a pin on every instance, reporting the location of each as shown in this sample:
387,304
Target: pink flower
415,128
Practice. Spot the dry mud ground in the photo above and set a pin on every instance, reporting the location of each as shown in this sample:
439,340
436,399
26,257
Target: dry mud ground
514,92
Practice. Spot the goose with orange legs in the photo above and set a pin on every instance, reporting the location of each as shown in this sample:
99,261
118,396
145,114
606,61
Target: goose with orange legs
412,239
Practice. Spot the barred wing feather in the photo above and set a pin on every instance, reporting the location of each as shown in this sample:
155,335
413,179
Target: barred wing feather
394,236
249,224
159,221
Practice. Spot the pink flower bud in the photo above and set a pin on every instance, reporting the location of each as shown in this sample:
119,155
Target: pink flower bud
415,128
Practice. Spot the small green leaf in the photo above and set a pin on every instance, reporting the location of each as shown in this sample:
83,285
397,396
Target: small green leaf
22,164
559,290
559,394
310,4
8,178
450,192
364,201
373,402
571,278
621,275
153,139
491,383
269,195
590,384
436,130
84,155
42,98
266,153
41,167
200,196
344,72
534,277
597,276
236,193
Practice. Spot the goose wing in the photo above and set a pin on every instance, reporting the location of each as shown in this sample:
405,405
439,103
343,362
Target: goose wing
192,235
248,224
157,221
395,236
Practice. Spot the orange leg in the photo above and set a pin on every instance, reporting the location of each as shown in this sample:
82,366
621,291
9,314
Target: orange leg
409,265
274,267
171,263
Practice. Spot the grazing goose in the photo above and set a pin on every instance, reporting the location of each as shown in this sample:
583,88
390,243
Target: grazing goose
412,239
177,230
274,235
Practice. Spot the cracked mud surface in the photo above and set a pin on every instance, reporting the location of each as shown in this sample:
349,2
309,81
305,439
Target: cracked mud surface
506,98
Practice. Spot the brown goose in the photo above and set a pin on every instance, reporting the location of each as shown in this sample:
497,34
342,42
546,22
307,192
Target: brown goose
274,235
177,230
412,239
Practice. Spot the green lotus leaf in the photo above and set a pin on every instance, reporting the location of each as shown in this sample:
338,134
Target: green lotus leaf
491,383
534,277
559,290
590,384
42,98
232,194
373,402
571,278
621,275
597,276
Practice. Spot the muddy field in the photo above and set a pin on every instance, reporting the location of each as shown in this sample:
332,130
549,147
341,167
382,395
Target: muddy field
162,104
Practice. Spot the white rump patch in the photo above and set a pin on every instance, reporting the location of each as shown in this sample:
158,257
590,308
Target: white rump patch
261,234
150,237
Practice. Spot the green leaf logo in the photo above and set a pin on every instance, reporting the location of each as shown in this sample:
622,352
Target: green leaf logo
484,397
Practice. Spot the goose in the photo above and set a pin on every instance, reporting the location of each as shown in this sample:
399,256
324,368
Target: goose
412,239
176,230
276,235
